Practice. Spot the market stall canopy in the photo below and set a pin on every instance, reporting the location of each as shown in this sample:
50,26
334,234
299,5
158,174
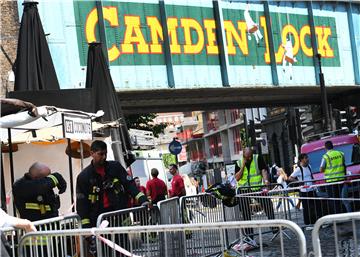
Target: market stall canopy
49,134
47,126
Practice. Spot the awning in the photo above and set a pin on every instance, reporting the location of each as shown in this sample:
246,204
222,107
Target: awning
45,127
54,133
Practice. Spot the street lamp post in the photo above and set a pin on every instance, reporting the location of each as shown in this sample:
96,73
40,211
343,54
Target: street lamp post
324,103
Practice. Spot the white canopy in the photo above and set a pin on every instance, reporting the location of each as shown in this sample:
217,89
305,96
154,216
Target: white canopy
47,124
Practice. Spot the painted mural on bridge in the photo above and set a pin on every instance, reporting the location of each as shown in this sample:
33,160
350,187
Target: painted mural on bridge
131,32
134,37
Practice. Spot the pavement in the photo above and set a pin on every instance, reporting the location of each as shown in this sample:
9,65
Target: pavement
209,242
345,243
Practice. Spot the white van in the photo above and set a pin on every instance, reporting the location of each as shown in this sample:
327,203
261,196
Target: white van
145,161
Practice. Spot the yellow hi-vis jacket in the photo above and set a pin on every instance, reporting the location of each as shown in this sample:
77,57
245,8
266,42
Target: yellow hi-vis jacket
335,169
252,177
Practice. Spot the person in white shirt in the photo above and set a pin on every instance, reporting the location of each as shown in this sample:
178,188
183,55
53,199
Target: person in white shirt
9,221
303,173
190,189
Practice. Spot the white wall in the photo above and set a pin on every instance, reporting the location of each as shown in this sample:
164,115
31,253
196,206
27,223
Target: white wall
51,154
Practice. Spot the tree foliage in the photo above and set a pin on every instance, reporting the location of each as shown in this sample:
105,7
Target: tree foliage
145,122
168,159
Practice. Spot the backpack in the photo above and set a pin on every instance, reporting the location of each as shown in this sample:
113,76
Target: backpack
272,172
302,172
225,193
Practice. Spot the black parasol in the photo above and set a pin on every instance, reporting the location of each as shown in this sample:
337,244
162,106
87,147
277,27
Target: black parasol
98,78
34,69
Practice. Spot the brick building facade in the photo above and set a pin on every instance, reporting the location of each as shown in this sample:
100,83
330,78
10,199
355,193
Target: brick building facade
9,29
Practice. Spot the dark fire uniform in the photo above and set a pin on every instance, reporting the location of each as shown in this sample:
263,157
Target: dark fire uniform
91,187
35,198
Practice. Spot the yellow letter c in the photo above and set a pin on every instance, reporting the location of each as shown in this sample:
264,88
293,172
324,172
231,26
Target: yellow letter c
111,15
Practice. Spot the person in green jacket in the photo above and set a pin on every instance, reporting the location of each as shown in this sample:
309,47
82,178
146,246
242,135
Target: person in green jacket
252,176
334,169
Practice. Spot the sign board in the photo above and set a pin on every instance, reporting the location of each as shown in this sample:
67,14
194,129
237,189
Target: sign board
136,48
230,169
175,147
77,127
264,144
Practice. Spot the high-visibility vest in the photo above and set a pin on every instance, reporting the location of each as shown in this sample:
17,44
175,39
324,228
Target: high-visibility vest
250,177
335,169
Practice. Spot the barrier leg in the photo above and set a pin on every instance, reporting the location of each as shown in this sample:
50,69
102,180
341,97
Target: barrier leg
246,212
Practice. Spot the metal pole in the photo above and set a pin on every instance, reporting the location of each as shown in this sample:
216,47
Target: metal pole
324,102
269,33
71,175
246,130
332,126
354,49
166,45
11,165
2,187
313,39
81,155
221,39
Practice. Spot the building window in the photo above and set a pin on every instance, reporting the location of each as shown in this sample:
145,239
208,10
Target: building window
212,121
237,140
235,114
196,151
215,146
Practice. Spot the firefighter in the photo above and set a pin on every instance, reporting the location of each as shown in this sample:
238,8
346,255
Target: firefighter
334,169
34,196
103,186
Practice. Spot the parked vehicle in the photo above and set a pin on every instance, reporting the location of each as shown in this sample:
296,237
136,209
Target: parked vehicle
145,161
348,144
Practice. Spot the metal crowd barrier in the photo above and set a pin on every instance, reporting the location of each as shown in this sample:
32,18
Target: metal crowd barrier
265,203
137,216
204,208
165,212
170,211
71,221
199,209
339,234
280,247
300,202
170,214
344,191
